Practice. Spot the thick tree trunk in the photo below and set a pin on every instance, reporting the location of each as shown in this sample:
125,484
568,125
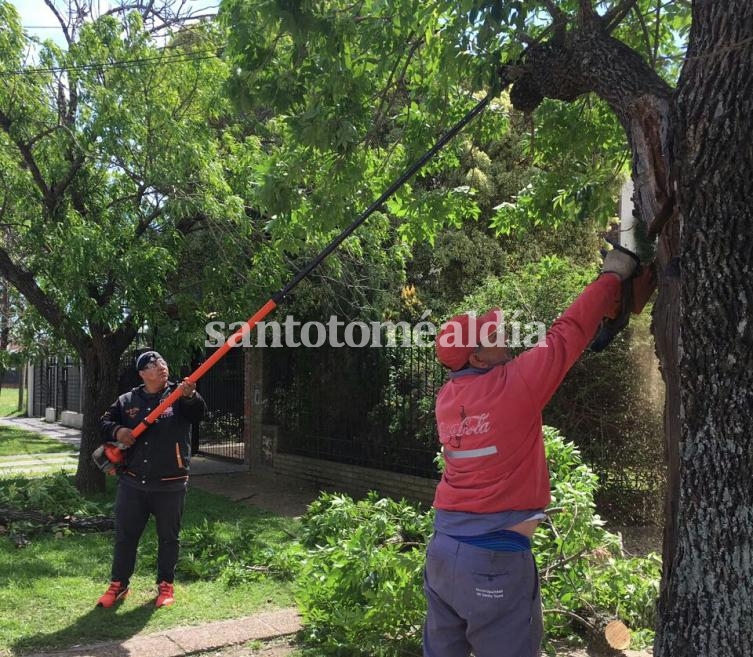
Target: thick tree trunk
100,387
710,587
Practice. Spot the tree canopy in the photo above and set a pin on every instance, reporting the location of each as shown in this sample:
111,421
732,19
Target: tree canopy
123,187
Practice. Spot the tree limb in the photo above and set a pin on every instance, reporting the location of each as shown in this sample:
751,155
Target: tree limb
587,14
617,14
62,184
573,615
28,157
63,24
124,334
555,12
24,282
644,29
562,562
75,523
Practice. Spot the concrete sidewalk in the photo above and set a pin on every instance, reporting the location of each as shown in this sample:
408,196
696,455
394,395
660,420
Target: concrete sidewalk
180,641
67,435
200,465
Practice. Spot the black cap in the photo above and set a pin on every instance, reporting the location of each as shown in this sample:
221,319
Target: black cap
147,357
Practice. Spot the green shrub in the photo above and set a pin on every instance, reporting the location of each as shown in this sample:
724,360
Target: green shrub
53,494
582,566
360,584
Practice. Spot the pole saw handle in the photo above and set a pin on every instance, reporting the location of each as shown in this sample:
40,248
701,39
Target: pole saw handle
108,456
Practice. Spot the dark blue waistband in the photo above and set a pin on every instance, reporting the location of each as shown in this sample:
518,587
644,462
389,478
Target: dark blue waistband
503,540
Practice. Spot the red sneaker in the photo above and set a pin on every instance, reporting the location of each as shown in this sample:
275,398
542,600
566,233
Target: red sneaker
116,592
165,594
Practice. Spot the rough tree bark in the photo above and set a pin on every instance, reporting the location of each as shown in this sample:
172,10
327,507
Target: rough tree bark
4,326
692,167
709,597
100,363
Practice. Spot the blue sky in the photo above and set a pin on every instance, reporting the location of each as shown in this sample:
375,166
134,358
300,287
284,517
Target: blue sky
36,16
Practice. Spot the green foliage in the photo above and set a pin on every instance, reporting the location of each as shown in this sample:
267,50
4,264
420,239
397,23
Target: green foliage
534,292
581,564
53,494
234,554
577,160
358,90
220,426
360,586
131,206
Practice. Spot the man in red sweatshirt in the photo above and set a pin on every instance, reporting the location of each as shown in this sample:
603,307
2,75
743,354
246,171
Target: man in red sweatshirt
480,579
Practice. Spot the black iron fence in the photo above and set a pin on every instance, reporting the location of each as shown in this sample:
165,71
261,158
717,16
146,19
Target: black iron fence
364,406
220,433
58,384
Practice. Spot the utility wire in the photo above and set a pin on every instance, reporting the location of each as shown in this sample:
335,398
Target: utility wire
195,55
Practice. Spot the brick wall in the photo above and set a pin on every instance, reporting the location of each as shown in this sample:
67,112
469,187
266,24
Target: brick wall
351,479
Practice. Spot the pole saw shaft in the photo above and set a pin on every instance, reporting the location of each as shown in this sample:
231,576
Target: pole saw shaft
200,371
279,297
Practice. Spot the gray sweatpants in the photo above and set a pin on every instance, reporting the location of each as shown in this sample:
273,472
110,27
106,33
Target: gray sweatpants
480,600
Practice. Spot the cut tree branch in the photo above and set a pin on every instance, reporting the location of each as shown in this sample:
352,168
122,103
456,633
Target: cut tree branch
590,60
63,24
74,523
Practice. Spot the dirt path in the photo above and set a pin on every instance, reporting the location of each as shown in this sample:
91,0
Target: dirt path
280,495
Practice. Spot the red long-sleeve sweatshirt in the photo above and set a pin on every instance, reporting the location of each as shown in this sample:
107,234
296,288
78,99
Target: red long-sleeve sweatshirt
490,424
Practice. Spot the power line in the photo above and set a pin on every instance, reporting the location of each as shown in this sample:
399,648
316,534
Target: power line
195,55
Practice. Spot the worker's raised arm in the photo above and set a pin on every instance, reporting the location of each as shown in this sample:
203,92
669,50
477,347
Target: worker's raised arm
544,366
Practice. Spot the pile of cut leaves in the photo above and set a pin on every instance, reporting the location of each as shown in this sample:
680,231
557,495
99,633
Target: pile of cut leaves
50,504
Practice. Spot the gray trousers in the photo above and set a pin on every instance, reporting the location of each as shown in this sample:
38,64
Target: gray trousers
480,601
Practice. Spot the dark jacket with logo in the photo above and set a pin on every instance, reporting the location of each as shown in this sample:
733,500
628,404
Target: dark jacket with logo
163,451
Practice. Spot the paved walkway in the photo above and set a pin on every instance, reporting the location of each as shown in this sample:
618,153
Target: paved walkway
66,435
200,465
180,641
235,482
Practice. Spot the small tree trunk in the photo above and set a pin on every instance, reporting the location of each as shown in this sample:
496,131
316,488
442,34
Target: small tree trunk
100,388
21,387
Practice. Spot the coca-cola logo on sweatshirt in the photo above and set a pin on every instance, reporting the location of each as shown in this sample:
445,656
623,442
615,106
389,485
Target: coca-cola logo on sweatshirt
470,425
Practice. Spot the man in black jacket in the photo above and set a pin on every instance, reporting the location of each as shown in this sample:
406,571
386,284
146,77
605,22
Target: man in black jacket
154,475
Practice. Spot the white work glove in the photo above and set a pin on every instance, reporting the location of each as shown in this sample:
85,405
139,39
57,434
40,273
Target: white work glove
619,263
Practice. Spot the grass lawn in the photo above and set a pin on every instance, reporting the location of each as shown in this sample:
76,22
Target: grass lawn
9,402
20,441
48,590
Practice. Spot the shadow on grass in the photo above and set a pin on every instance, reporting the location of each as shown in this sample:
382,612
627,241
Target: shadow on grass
89,629
15,441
